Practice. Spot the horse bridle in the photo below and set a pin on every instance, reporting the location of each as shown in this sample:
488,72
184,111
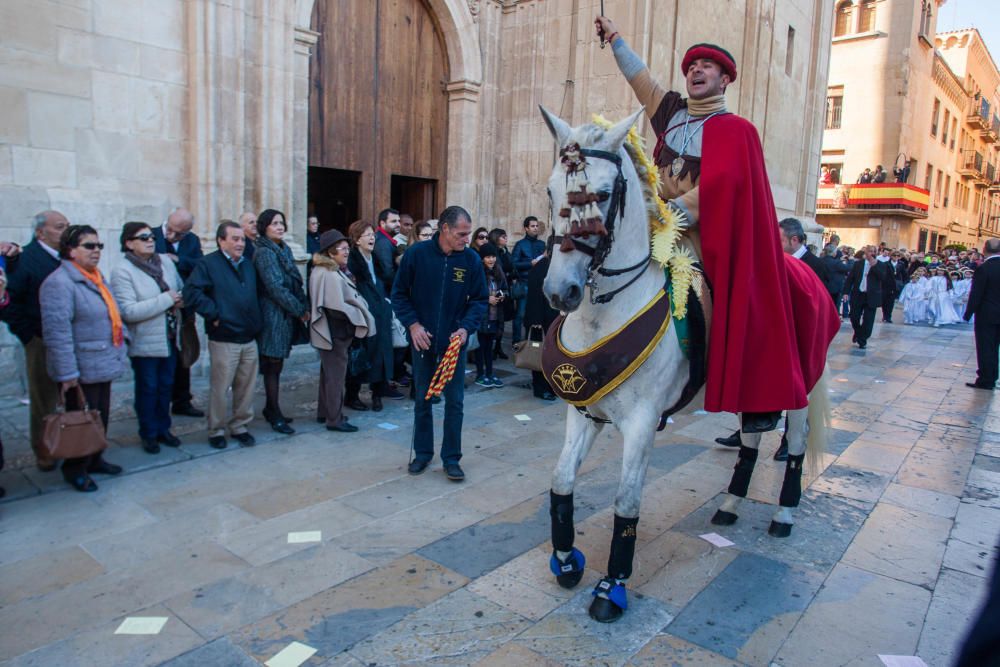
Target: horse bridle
604,231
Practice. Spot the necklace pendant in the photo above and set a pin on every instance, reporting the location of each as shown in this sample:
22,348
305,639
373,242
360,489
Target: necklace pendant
676,166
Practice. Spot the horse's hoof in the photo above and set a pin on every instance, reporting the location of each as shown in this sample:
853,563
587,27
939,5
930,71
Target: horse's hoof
610,601
723,518
568,573
605,611
778,529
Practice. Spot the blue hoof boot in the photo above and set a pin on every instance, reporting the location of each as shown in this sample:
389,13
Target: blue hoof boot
570,572
608,609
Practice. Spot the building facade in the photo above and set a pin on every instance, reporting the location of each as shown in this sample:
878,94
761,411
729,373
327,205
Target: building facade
908,99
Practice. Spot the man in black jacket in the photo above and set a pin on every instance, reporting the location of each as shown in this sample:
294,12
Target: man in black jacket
175,240
864,286
889,290
984,303
24,316
222,289
384,252
527,252
793,241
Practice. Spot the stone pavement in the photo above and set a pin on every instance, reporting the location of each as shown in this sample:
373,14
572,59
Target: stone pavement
889,555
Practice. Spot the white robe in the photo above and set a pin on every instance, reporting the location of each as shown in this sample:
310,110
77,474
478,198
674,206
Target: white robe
960,296
941,307
914,301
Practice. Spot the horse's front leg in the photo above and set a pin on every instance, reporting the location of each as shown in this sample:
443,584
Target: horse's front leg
726,515
610,597
567,563
791,487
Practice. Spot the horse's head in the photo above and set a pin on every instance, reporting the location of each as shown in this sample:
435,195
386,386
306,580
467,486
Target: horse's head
582,188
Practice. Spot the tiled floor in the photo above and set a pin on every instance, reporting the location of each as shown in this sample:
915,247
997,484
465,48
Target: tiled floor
889,554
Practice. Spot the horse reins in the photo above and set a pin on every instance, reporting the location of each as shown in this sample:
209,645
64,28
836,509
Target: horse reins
605,232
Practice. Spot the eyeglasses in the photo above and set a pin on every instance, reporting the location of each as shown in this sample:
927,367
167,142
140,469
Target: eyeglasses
92,246
481,237
425,235
145,236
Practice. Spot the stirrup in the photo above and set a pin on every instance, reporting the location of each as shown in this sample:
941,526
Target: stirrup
569,572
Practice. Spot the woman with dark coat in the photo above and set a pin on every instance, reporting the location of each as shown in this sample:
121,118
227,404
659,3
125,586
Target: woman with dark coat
379,347
538,312
283,306
498,237
492,324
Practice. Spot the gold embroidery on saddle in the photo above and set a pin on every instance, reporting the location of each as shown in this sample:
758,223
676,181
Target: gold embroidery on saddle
568,379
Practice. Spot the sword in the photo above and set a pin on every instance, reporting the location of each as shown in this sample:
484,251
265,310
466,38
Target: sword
603,43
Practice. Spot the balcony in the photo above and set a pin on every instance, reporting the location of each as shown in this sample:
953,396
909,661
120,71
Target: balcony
978,115
872,199
971,165
995,129
994,187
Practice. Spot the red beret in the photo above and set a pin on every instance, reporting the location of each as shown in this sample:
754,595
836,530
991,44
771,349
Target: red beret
711,52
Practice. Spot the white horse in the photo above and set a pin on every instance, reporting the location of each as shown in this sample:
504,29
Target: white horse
602,282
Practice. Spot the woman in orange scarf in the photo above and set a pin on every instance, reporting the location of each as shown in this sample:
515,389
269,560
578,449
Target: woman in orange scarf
84,339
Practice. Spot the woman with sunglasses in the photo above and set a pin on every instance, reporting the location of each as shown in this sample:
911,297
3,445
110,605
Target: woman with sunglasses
147,288
84,339
480,238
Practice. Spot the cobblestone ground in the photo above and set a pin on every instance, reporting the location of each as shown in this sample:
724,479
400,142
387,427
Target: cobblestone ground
889,554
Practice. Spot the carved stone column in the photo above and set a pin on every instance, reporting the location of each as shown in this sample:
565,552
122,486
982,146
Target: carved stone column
464,150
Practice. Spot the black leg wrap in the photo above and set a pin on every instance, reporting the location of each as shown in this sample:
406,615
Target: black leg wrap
743,471
561,512
791,488
622,548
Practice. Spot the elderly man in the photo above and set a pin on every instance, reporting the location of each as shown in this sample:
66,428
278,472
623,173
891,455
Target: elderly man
248,221
175,240
24,316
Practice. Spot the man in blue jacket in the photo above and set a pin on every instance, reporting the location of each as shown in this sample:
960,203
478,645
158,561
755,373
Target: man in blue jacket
439,293
527,252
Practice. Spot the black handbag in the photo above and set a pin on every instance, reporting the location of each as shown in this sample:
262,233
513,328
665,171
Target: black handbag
358,362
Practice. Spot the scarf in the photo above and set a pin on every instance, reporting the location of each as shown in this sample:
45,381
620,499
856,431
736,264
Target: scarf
707,105
386,234
153,267
117,334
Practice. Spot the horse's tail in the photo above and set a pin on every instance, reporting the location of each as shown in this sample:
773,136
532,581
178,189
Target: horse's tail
818,415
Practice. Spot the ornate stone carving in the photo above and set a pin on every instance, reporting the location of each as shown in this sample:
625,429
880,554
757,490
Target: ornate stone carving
474,9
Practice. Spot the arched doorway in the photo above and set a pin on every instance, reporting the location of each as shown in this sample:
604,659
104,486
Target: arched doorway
378,110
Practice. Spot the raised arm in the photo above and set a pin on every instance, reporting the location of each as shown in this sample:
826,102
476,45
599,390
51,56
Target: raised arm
647,90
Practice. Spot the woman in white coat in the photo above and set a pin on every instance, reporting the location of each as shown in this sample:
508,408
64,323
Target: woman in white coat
147,288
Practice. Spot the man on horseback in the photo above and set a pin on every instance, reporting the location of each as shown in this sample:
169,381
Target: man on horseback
703,148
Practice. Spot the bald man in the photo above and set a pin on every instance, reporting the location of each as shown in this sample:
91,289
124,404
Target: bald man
176,240
248,221
24,316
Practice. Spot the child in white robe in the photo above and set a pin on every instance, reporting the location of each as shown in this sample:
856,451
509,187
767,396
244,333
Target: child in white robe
941,308
914,299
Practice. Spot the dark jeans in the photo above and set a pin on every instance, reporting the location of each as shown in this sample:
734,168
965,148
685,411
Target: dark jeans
424,365
888,302
181,393
154,384
98,398
484,355
987,342
517,333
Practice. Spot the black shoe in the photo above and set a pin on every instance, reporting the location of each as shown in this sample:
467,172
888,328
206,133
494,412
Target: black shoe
169,439
854,338
782,453
356,404
500,354
287,420
733,440
104,468
760,422
150,446
862,346
376,403
320,420
392,394
976,385
82,483
217,442
245,439
546,396
416,467
187,410
343,427
454,472
281,426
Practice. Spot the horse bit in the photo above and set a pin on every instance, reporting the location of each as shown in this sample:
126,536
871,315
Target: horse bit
585,219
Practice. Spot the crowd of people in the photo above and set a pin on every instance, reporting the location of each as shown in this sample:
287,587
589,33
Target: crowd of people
80,329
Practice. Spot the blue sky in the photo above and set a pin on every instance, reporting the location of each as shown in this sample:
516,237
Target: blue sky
982,14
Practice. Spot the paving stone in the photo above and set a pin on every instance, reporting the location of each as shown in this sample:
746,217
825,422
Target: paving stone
956,602
969,558
458,629
569,636
877,457
100,646
219,653
677,567
983,487
856,616
666,649
16,485
977,525
515,654
748,611
295,494
900,543
525,585
847,482
338,618
935,471
922,500
34,577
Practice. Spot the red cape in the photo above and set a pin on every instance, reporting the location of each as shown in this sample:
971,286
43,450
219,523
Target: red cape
763,355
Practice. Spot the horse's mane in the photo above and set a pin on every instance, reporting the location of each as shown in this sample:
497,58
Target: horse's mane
664,222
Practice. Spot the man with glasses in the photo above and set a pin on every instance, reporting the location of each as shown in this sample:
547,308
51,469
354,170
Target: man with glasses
175,240
527,252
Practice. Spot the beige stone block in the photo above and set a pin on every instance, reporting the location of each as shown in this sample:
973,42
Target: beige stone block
54,120
6,165
36,166
98,52
162,64
111,102
24,28
163,23
32,71
104,158
14,119
118,18
147,106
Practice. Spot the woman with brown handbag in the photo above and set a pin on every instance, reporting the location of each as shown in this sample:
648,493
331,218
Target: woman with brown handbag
84,339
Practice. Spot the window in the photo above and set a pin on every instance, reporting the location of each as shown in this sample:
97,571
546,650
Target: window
928,177
944,128
842,25
954,128
937,188
947,189
922,241
934,117
866,19
958,194
925,17
834,110
790,51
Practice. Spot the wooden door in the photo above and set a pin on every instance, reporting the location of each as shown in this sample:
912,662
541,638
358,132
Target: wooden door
377,102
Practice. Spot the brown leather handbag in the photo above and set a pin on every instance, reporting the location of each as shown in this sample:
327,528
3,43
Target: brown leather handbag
70,434
528,352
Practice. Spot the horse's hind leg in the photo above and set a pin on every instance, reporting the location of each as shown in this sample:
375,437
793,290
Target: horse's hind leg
610,597
791,487
567,563
726,515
